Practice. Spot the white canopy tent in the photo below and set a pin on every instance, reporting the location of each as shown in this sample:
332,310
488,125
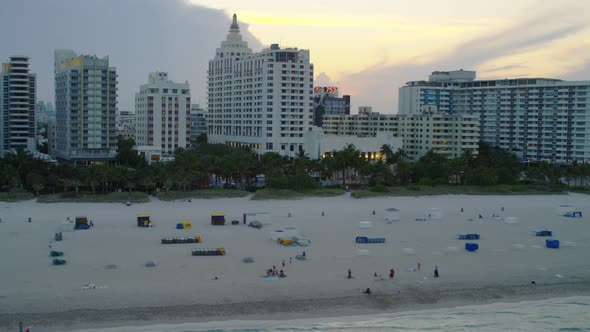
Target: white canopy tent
435,213
391,215
262,217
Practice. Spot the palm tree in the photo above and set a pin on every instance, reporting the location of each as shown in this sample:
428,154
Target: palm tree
387,154
348,160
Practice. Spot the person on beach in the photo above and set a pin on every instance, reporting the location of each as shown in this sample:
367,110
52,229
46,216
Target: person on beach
418,266
367,291
283,263
290,260
391,273
436,271
349,274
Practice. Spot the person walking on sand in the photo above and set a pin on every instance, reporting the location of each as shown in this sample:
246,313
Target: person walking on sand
391,273
418,266
436,271
290,260
283,263
349,274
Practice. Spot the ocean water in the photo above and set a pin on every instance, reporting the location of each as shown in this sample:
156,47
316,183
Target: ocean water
559,314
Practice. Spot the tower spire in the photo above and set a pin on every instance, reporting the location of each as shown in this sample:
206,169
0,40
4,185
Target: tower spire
234,24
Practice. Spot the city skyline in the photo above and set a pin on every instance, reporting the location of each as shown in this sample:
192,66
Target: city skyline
367,51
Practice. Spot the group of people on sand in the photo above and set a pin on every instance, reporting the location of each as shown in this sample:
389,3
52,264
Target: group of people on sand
392,275
278,273
275,273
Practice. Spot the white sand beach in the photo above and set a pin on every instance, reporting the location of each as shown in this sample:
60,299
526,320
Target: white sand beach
509,256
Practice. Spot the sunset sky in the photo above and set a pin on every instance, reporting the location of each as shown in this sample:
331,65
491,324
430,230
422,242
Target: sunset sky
496,38
367,48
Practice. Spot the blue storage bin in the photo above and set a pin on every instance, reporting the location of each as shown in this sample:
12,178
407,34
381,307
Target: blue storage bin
470,246
553,244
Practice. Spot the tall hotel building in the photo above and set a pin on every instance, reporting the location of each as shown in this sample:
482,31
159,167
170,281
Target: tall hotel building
537,118
162,114
17,105
260,100
86,107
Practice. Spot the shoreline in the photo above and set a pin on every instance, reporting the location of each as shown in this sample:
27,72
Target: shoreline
405,300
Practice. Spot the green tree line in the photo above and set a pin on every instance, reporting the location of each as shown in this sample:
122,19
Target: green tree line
204,163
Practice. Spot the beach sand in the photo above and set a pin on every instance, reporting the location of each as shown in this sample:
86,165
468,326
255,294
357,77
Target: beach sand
182,287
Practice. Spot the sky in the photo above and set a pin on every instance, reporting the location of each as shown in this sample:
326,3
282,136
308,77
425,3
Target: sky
367,48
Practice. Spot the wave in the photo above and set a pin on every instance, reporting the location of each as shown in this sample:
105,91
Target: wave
558,314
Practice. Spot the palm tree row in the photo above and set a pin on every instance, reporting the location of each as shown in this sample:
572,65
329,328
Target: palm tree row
205,164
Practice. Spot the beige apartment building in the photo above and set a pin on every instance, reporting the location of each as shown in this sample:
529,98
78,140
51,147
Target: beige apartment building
447,134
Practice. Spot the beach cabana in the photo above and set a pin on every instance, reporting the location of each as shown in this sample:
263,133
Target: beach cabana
80,222
218,218
144,220
435,213
261,217
391,215
184,225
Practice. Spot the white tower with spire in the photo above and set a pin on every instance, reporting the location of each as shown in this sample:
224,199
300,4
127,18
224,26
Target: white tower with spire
259,100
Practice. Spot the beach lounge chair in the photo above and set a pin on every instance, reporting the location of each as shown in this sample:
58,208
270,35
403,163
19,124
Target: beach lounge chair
59,261
468,236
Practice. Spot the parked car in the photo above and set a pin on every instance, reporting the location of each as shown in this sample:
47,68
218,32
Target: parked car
255,224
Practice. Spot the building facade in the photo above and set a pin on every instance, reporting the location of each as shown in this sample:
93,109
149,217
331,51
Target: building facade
162,110
18,90
86,108
259,100
44,112
536,118
327,102
198,121
125,124
446,134
318,144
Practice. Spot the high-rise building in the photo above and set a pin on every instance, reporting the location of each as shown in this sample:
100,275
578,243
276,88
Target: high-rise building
43,112
198,121
446,134
536,118
259,100
86,108
327,102
162,111
18,90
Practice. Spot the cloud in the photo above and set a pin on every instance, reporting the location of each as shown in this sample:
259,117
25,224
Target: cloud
322,79
140,36
548,29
